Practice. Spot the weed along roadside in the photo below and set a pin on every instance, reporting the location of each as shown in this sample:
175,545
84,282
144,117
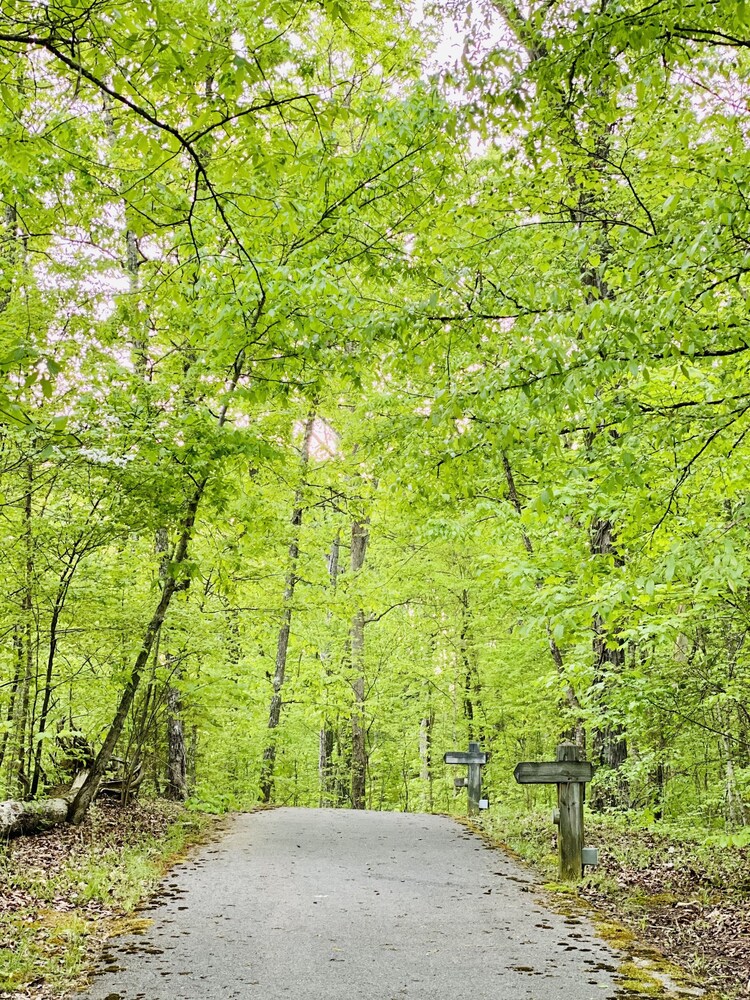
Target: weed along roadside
672,904
65,892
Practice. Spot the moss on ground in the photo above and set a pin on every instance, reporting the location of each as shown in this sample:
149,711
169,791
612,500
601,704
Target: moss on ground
646,878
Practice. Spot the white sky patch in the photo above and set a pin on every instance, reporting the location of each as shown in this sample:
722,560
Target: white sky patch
324,440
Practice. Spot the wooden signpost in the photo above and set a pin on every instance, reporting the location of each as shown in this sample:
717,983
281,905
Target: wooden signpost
475,759
570,774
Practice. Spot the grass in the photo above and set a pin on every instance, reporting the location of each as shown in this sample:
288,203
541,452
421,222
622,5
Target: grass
64,892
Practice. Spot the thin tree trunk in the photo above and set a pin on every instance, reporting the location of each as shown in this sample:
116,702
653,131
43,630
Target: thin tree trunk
608,743
360,536
8,255
176,778
19,778
425,755
735,808
43,715
193,757
18,665
282,644
325,768
9,252
472,684
325,737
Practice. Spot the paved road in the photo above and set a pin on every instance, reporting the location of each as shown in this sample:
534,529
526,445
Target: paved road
340,905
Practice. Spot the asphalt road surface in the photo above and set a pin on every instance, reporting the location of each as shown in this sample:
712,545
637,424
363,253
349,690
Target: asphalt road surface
341,905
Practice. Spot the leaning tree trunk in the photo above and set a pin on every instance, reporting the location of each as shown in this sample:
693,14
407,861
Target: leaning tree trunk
357,642
60,597
170,587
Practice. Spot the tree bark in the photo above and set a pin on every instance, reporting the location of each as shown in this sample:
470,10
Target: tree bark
43,715
170,587
17,665
325,737
177,787
608,743
425,756
472,681
18,818
282,645
19,780
176,780
60,597
360,536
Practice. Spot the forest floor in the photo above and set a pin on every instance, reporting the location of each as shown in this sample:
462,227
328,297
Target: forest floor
64,892
682,892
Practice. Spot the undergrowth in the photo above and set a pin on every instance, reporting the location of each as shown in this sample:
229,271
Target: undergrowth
683,889
62,892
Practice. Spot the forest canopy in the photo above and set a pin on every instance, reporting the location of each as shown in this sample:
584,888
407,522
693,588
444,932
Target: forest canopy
374,379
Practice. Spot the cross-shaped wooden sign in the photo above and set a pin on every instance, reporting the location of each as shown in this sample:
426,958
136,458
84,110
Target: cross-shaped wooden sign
570,774
475,760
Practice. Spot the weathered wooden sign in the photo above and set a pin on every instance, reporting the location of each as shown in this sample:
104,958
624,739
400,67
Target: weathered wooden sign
461,757
570,774
475,760
553,772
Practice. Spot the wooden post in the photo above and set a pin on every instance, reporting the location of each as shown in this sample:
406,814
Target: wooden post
570,805
474,760
475,782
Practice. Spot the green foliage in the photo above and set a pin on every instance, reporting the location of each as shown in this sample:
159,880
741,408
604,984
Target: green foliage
514,295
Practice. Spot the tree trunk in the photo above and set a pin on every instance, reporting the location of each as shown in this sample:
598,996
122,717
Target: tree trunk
176,780
608,743
46,698
17,662
282,645
170,587
177,787
60,597
360,537
19,780
425,756
325,769
472,683
325,737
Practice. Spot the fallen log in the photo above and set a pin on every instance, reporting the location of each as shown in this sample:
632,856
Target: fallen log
17,817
